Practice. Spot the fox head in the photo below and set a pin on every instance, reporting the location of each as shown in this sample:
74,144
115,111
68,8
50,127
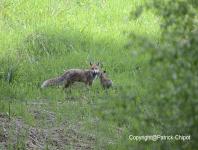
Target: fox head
95,68
103,74
104,80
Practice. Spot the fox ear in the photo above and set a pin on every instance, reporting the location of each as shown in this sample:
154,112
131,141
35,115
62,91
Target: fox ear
90,63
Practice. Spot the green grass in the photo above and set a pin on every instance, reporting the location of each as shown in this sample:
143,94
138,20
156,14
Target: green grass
41,38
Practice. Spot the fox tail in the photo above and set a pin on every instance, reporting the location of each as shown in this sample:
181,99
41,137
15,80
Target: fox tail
54,81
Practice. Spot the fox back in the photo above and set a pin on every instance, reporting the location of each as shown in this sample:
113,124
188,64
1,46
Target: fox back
74,75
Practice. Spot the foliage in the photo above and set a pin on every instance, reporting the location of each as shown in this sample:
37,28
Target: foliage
174,64
41,38
151,60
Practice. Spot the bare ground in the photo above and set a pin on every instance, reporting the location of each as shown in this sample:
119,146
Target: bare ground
16,134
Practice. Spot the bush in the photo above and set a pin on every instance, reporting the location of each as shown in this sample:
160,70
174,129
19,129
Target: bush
173,66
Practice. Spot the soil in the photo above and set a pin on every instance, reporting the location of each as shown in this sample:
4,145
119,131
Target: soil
16,134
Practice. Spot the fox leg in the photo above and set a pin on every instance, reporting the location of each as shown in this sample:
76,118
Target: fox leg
68,91
88,85
66,84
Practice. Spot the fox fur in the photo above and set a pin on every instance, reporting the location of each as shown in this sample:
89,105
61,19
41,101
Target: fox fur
74,75
105,82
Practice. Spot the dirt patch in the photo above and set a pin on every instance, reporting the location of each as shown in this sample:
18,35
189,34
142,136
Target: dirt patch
4,121
16,134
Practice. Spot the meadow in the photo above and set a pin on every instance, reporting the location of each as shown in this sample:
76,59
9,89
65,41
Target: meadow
40,39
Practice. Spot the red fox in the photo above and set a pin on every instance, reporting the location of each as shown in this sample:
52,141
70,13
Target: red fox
74,75
105,82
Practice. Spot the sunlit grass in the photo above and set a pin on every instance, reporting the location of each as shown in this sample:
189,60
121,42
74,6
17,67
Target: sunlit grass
39,39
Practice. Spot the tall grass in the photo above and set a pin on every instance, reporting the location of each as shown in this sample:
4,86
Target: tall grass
41,38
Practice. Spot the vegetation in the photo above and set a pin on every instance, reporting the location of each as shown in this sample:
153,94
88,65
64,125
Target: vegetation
148,50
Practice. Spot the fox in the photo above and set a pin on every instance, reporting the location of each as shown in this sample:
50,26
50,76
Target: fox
105,82
71,76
